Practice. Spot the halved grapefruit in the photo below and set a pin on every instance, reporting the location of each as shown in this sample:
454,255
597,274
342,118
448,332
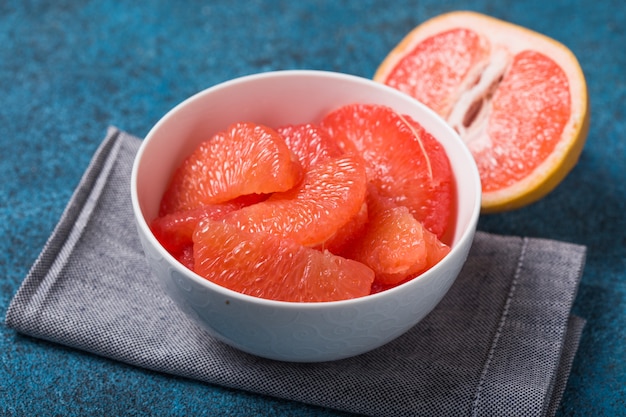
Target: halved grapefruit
517,98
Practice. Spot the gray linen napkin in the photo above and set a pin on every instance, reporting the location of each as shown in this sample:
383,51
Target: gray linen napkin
500,343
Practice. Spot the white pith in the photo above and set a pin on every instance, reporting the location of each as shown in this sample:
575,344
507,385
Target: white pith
473,127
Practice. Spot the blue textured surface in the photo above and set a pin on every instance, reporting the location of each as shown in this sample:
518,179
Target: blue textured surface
69,69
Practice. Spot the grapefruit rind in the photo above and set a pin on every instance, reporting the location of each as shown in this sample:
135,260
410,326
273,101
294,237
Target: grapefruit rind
547,175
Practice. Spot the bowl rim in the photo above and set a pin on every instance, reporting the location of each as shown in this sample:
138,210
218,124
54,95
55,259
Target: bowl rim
142,223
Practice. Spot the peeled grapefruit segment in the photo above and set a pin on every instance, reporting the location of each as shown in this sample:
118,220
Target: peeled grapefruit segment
394,244
175,230
330,194
404,162
310,143
517,98
347,234
272,267
244,159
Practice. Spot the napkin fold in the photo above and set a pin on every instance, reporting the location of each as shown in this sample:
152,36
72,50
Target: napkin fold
501,342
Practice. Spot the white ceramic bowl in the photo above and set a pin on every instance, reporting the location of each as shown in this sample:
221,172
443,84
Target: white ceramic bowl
300,332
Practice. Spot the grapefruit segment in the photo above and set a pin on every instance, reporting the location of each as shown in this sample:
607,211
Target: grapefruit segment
347,234
394,244
175,230
246,158
310,143
329,196
267,266
516,97
404,162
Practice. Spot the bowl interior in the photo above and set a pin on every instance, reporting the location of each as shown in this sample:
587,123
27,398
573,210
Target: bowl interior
279,98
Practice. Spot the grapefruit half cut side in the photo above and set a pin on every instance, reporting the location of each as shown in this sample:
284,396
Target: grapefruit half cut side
516,97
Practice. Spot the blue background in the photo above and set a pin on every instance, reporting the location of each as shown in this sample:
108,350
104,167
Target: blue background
68,69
